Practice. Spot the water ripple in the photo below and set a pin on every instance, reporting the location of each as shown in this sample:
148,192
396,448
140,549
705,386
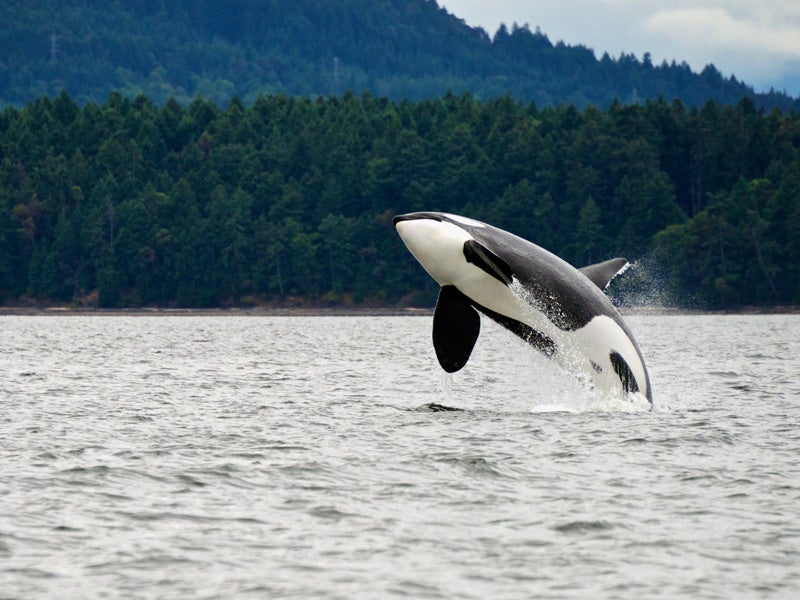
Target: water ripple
283,457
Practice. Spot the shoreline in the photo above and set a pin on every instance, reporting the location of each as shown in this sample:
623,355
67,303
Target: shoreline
259,311
338,311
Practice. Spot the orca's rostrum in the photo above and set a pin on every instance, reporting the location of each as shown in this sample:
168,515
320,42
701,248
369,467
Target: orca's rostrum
560,310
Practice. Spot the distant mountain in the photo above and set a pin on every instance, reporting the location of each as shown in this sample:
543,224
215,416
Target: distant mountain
404,49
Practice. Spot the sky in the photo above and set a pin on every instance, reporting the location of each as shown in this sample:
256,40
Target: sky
757,41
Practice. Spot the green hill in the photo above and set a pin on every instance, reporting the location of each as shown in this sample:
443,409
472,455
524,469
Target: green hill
128,203
206,154
403,49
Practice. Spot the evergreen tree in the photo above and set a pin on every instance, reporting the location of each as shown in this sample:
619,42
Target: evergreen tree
128,204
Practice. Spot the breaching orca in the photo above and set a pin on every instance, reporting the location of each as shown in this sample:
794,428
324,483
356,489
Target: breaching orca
560,310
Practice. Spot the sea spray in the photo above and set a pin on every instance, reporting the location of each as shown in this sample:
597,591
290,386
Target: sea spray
569,386
644,288
446,388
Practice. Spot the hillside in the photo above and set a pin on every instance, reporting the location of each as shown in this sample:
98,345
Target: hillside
403,49
127,203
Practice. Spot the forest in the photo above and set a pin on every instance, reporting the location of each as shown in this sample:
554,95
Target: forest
129,203
401,49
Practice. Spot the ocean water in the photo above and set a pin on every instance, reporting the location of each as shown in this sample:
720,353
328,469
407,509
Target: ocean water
289,457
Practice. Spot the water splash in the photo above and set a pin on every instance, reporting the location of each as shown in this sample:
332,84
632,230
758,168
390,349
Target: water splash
446,386
562,384
646,289
446,397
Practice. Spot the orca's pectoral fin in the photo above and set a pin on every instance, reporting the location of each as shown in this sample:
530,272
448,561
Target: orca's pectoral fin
456,326
602,273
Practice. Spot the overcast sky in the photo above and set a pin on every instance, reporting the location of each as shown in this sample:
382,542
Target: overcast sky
758,41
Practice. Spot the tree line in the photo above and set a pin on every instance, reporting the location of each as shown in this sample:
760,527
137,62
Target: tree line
130,203
409,49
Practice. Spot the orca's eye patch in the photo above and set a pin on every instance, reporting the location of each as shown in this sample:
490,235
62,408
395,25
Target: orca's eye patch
488,261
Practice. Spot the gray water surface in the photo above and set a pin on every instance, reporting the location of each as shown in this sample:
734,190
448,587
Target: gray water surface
220,457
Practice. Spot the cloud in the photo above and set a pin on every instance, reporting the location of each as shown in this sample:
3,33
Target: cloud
716,28
758,41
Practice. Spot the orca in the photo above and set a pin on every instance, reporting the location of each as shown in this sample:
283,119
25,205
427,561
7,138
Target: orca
558,309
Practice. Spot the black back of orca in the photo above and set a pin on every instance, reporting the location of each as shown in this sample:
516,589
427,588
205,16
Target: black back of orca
568,298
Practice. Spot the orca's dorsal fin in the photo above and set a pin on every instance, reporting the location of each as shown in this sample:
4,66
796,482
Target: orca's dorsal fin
602,273
456,326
